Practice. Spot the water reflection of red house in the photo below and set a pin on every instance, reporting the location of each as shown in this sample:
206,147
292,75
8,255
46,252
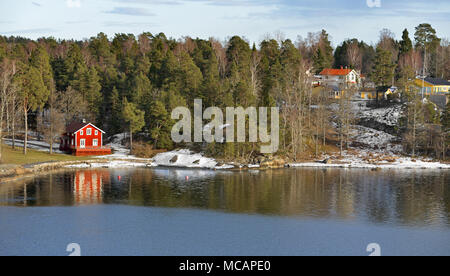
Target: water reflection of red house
88,186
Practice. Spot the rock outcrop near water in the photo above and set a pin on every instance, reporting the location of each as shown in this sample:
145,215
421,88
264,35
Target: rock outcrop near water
273,163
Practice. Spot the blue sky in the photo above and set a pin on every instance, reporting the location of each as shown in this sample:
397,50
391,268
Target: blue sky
253,19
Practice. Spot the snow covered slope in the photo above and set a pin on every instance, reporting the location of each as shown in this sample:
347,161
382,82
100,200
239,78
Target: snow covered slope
187,159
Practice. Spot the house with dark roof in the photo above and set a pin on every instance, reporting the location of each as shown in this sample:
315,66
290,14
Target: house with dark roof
433,86
83,139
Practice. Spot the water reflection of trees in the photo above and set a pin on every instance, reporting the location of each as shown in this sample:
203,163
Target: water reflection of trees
410,197
396,196
60,189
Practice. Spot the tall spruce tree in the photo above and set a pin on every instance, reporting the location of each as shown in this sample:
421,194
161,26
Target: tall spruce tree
134,117
405,44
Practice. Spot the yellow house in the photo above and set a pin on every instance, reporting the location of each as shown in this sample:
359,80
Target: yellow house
331,92
433,86
371,94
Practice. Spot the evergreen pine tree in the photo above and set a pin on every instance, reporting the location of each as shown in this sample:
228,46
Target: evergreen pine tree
134,117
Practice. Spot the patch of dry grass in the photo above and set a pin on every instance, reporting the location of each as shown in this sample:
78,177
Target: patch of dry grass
144,150
16,156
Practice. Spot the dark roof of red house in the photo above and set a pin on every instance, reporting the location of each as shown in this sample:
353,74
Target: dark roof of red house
335,72
75,126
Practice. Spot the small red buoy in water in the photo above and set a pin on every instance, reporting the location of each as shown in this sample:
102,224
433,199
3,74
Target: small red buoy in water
187,178
119,177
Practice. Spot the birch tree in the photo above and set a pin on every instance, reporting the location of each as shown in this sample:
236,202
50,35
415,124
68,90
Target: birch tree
6,78
33,93
51,123
414,122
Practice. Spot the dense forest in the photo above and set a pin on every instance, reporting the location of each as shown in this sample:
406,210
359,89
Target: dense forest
128,83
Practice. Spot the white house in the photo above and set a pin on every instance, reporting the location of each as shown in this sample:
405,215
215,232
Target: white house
340,77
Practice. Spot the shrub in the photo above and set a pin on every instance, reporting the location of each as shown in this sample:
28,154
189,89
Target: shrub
144,150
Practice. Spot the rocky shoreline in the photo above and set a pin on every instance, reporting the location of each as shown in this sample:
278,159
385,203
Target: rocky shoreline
10,173
186,160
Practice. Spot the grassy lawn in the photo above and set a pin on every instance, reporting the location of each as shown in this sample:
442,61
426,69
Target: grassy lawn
16,157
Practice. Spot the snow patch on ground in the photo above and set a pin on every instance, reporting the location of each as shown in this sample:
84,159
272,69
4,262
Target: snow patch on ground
187,159
110,164
119,150
34,144
386,115
375,140
367,159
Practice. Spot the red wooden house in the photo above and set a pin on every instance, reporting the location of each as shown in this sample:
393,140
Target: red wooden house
83,139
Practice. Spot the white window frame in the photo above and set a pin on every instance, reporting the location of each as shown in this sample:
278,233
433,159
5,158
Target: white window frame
89,131
95,142
96,132
83,143
81,132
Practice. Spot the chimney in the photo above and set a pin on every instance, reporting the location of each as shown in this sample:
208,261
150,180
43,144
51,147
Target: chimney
83,121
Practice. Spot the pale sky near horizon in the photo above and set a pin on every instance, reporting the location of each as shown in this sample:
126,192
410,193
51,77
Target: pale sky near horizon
252,19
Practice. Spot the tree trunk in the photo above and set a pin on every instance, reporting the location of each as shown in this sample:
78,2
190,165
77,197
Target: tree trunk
51,130
324,131
26,128
13,123
444,149
1,130
317,140
7,118
51,142
414,134
131,140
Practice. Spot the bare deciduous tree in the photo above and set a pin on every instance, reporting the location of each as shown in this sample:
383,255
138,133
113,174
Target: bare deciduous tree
220,55
255,81
51,122
387,42
7,70
354,56
15,114
415,122
72,105
345,117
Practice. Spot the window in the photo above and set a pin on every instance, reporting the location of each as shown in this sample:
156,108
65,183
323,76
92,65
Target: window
95,142
81,132
96,132
89,131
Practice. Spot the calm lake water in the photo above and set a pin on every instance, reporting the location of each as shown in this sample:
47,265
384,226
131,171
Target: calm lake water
194,212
